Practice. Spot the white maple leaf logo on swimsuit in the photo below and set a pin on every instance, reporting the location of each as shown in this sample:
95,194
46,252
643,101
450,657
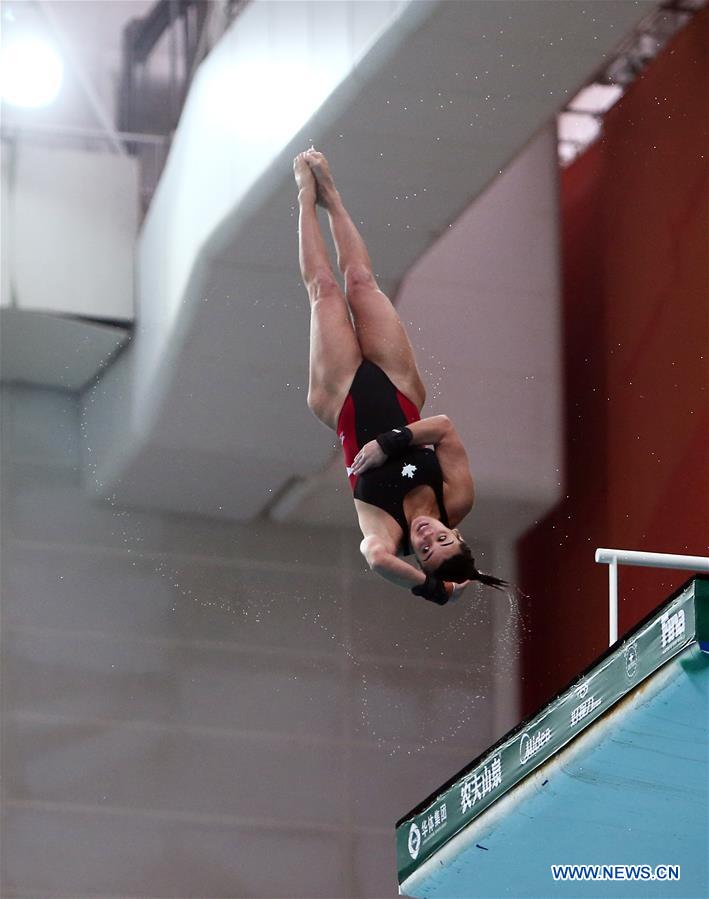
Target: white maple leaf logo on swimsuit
408,471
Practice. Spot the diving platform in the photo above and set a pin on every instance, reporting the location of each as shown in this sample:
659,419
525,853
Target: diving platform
612,775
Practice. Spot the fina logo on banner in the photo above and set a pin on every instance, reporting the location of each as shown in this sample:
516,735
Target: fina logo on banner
673,627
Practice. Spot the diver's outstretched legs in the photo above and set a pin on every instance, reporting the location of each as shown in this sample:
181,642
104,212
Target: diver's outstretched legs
380,332
334,350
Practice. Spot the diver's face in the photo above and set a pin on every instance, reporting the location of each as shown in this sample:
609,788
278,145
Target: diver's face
433,542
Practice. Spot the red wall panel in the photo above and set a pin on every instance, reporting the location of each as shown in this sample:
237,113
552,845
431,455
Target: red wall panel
635,231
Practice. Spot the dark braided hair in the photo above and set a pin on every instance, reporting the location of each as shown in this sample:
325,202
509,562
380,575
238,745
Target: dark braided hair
461,567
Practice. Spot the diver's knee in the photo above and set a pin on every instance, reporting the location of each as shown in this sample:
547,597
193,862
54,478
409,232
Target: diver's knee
359,277
317,403
322,284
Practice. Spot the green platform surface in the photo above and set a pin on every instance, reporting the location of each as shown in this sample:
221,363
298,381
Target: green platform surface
613,771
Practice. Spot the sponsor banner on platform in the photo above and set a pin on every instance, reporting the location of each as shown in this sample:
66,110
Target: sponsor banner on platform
654,641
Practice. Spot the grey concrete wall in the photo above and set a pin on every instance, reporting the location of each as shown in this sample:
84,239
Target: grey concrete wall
195,709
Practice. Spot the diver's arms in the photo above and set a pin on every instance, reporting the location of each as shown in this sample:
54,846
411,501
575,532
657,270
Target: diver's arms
430,430
383,561
386,564
452,457
458,483
426,431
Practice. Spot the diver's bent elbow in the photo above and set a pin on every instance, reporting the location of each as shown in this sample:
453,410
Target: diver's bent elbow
376,559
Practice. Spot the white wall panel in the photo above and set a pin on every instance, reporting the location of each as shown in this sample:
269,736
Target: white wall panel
74,220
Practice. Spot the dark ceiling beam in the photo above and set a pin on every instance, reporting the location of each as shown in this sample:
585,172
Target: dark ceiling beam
146,32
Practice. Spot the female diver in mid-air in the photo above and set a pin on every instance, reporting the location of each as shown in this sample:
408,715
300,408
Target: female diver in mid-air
364,384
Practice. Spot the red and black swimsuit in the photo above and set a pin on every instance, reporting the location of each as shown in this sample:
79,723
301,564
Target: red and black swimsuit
373,406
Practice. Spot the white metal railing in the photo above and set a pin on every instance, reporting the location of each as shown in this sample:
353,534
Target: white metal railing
612,557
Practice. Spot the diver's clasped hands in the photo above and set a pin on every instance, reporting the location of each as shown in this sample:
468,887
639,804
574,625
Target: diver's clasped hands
439,591
457,589
377,451
370,456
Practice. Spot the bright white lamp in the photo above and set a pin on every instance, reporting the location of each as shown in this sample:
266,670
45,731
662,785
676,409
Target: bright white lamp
31,72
